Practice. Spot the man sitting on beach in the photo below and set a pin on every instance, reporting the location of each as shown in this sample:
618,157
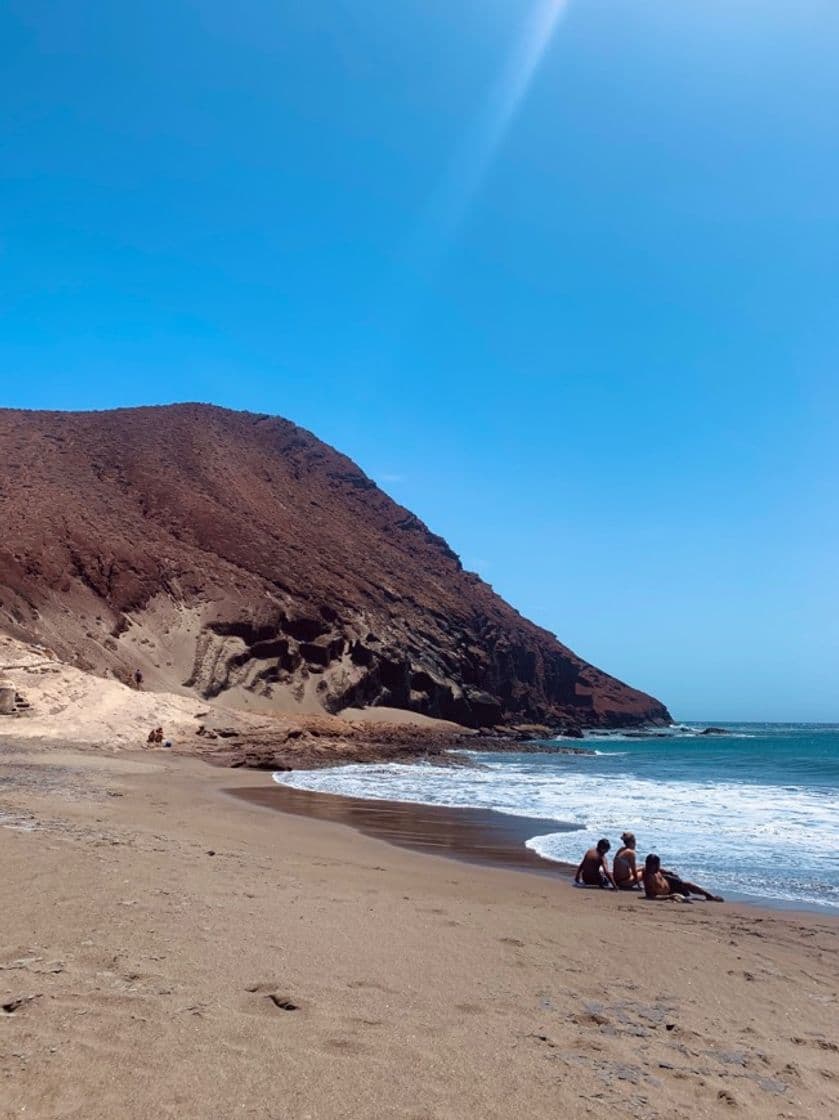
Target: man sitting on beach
627,874
594,868
662,884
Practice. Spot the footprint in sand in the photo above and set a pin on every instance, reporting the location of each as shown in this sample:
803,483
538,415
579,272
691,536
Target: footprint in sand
819,1043
15,1004
372,985
273,996
343,1046
283,1002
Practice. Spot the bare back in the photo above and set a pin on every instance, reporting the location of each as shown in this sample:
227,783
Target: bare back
592,867
624,868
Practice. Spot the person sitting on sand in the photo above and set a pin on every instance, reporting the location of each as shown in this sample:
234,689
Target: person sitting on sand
594,868
627,874
662,884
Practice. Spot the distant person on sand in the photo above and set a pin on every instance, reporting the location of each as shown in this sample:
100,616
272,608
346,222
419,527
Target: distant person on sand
138,678
594,867
662,884
627,874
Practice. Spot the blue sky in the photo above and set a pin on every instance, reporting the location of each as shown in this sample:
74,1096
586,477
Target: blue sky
580,316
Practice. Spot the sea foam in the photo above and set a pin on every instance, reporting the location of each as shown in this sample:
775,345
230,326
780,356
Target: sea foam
764,840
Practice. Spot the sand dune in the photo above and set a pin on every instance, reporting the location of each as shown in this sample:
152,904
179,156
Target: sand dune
70,705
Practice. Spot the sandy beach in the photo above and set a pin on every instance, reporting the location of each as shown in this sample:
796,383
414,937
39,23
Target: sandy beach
418,473
170,950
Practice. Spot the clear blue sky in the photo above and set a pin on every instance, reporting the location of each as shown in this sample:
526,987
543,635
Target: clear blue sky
565,282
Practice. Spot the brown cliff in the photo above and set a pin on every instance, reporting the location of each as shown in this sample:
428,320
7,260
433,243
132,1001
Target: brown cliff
232,554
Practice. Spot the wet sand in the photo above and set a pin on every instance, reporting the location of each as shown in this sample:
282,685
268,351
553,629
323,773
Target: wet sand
474,835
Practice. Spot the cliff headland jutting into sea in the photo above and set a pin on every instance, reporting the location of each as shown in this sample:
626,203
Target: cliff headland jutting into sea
235,556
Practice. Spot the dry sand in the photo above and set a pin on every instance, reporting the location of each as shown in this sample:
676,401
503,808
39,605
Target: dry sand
304,970
70,705
399,716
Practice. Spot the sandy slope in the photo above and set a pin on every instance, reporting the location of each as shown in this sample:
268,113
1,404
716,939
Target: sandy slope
74,706
69,705
400,717
143,976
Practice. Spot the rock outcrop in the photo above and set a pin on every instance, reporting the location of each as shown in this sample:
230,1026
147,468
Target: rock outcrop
226,554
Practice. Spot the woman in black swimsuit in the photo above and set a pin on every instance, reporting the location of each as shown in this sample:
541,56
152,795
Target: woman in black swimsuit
660,883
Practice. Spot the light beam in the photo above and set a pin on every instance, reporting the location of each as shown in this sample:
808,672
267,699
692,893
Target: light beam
469,167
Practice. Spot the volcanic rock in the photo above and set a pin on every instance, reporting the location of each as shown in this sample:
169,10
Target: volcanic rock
227,554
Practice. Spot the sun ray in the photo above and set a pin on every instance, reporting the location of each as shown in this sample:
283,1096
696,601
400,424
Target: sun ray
470,165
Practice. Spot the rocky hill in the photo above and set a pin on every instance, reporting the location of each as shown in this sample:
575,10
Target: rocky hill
227,554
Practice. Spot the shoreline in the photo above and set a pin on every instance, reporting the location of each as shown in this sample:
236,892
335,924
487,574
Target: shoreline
478,836
485,837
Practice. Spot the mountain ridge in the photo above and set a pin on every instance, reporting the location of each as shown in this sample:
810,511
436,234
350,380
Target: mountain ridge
234,554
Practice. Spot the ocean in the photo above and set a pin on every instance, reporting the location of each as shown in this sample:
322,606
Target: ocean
752,813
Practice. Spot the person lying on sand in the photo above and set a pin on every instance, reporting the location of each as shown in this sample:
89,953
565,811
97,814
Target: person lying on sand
627,874
662,884
594,868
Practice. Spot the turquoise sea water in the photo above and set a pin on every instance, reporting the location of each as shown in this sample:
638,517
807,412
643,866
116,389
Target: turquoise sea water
753,813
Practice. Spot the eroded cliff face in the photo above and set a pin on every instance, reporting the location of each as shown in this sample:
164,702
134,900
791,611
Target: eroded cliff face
234,555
